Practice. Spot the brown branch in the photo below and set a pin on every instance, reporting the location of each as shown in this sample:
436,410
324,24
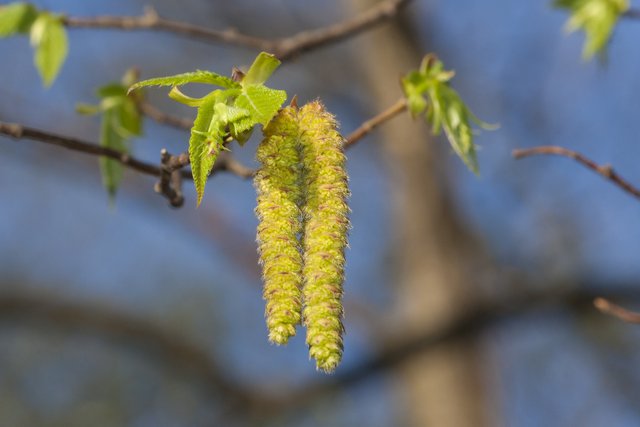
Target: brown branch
225,163
606,171
366,127
468,325
308,40
283,48
22,132
607,307
151,21
170,184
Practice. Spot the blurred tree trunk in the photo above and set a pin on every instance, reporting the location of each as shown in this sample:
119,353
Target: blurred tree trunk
433,252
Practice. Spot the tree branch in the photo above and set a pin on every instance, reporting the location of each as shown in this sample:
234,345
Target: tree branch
468,325
368,126
606,171
607,307
284,48
225,162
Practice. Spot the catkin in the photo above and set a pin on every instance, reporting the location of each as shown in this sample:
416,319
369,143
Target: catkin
326,223
278,184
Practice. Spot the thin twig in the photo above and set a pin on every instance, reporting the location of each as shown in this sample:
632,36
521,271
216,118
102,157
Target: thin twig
607,307
605,171
283,48
225,162
163,118
170,184
308,40
22,132
366,127
151,21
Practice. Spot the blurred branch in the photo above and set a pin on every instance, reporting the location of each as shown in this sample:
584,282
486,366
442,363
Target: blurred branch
183,354
225,162
632,14
607,307
120,326
469,325
163,118
284,48
605,171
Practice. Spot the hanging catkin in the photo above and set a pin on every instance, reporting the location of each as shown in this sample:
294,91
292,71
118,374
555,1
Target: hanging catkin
279,195
326,224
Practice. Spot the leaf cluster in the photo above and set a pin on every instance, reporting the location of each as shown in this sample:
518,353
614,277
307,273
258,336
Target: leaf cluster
46,32
428,92
224,114
121,121
597,18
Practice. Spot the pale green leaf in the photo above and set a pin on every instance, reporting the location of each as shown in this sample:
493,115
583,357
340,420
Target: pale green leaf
16,18
263,66
428,89
180,97
49,39
261,102
130,118
198,76
111,138
112,89
597,18
205,142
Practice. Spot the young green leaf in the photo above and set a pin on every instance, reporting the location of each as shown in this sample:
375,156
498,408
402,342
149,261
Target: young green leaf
428,89
198,76
261,102
16,18
223,114
180,97
597,18
110,137
205,142
263,66
121,121
49,39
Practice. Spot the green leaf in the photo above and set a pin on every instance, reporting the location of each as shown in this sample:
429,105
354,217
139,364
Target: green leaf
597,18
198,76
49,38
16,18
110,137
205,142
130,118
263,66
180,97
261,102
112,89
428,89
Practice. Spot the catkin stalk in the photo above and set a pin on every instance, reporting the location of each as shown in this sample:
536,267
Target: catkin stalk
279,195
326,224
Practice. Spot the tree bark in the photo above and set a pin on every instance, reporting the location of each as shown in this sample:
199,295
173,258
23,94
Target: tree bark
433,278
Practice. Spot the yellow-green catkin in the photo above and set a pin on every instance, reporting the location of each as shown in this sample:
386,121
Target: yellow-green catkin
326,224
278,184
